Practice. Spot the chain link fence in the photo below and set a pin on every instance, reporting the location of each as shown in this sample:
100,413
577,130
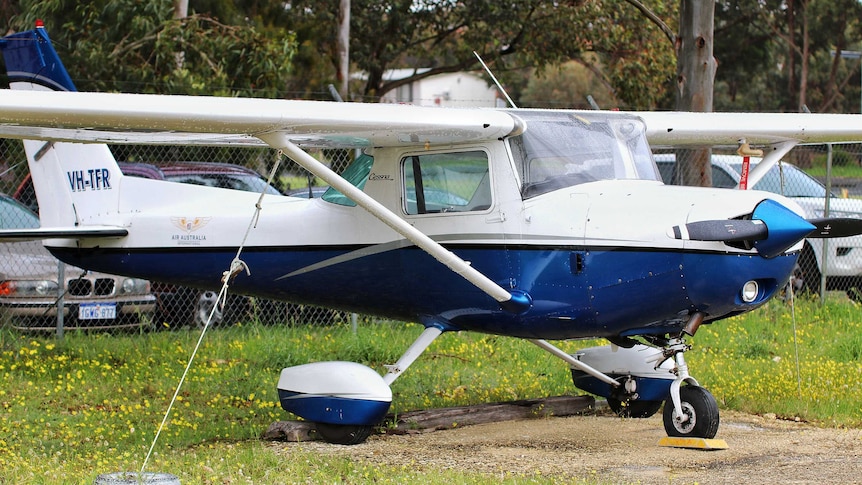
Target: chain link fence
30,295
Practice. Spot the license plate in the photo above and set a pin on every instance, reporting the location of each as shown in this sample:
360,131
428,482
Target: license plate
97,311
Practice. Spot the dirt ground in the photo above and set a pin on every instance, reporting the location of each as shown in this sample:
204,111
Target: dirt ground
762,449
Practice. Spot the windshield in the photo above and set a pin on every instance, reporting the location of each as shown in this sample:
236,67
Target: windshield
561,149
357,174
787,180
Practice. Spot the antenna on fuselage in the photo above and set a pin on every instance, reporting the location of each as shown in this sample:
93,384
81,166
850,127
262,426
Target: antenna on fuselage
499,86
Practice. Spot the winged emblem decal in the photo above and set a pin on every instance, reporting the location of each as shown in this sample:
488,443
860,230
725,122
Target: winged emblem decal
190,224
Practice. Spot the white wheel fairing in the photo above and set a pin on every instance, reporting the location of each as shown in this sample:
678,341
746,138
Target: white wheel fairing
344,393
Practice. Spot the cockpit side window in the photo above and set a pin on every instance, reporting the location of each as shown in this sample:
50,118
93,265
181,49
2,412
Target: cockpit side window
446,182
357,174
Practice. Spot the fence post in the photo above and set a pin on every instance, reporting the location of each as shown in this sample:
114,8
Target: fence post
61,291
825,249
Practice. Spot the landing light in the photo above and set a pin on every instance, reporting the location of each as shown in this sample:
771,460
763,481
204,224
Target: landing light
749,291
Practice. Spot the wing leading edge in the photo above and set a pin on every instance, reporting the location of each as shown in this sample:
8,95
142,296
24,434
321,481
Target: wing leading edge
203,120
147,118
678,129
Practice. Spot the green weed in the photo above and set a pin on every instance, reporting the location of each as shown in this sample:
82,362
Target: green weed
91,403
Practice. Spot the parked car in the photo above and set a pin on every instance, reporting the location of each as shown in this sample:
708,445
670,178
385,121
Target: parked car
308,192
212,174
844,261
178,305
29,288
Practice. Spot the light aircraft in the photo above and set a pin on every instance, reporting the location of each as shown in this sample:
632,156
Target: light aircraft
533,224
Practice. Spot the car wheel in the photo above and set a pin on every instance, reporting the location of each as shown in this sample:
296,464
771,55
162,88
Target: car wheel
806,273
206,305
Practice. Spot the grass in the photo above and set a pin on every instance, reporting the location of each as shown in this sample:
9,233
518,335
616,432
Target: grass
749,362
844,164
90,404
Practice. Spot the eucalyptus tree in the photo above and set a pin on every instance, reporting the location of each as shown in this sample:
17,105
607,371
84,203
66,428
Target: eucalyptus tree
440,36
127,45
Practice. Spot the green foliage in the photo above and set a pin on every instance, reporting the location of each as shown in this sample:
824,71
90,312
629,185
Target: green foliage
750,363
124,45
443,35
103,396
567,87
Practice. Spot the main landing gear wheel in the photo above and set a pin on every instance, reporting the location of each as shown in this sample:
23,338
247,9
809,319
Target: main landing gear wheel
344,434
700,409
634,409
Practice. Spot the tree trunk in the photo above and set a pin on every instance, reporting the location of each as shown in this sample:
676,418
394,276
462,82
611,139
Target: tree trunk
806,47
695,77
181,9
343,47
447,418
791,52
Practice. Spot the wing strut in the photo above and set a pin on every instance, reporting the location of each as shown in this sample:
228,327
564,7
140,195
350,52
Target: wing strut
514,302
768,161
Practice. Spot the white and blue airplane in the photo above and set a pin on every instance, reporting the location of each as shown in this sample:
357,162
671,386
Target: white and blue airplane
535,224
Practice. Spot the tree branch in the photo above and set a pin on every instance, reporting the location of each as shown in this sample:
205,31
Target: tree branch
671,36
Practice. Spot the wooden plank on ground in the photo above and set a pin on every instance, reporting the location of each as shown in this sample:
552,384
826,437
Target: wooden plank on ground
448,418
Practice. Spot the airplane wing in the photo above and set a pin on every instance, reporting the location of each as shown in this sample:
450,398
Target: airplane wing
669,129
205,120
13,235
215,121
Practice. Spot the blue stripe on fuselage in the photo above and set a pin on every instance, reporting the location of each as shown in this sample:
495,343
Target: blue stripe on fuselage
577,292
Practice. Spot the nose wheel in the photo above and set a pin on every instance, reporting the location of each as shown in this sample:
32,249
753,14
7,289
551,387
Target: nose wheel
697,416
691,411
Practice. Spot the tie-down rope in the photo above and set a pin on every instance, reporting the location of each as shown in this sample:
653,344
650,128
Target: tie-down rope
236,267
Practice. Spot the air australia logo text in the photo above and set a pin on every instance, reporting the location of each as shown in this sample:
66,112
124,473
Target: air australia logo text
91,179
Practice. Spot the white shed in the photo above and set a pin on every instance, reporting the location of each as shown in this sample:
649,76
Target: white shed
451,90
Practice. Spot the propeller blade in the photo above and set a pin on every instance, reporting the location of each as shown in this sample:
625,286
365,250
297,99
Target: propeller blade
727,230
772,229
835,227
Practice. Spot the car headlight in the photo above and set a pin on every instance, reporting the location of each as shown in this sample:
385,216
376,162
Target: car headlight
28,288
135,286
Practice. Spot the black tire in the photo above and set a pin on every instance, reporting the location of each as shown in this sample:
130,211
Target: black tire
634,409
344,434
807,269
854,289
701,409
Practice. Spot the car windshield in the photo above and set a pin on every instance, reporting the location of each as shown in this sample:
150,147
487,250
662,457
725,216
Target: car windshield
562,149
15,216
787,180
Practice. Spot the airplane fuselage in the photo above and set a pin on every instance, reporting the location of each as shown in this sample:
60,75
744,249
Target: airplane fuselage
595,257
